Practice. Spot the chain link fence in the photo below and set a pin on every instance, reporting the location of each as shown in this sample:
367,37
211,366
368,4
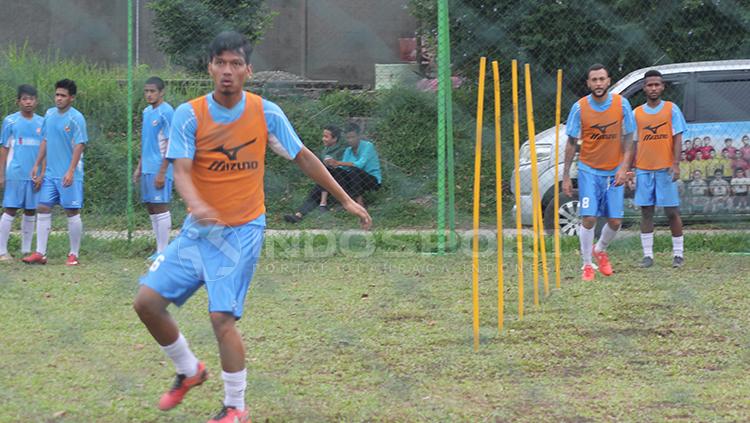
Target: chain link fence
628,38
387,85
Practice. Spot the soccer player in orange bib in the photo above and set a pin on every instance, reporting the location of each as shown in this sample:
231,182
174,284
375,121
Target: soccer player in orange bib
604,124
657,162
217,144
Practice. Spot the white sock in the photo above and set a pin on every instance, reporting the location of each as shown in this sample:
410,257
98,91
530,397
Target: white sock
184,361
234,388
27,233
43,226
161,223
608,234
75,230
647,241
586,236
677,246
6,222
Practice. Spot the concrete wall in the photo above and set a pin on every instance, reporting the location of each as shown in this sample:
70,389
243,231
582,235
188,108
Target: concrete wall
319,39
339,39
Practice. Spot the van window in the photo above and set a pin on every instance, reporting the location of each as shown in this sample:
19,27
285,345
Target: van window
722,100
674,91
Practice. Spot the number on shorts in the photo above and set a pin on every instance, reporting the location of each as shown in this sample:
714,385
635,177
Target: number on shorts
585,202
155,265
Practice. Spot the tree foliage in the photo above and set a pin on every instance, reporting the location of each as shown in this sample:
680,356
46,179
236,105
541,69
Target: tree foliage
572,34
184,28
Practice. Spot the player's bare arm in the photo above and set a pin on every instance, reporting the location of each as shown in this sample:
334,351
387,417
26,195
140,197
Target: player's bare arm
3,158
160,177
622,173
77,153
184,183
37,171
137,172
312,167
570,153
677,142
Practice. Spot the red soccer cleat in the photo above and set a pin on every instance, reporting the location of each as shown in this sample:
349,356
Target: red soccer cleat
182,384
72,260
35,258
602,260
231,415
588,273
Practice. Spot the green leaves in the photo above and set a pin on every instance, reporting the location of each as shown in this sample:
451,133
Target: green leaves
184,28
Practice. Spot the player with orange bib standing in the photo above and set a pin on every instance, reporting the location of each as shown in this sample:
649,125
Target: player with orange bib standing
657,162
217,145
604,124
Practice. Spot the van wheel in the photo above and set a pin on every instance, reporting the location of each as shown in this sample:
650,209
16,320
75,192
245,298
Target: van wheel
570,219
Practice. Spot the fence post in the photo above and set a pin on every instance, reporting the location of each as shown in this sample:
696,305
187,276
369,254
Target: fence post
130,121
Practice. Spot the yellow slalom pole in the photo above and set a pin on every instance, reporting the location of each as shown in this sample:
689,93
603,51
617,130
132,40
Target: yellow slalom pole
534,180
516,159
499,199
542,244
477,171
558,106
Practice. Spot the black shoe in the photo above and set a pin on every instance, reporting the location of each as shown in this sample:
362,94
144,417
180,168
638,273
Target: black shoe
292,218
323,209
677,261
647,262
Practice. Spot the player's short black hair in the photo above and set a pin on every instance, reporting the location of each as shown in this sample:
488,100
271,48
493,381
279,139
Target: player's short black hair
155,80
351,127
652,72
26,89
596,67
67,84
334,130
230,41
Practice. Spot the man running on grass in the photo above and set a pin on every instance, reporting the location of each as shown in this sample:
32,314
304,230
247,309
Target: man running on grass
217,145
657,162
604,124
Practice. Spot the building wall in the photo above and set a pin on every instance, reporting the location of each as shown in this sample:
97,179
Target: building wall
318,39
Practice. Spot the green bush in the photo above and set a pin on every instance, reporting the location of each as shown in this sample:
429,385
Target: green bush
185,27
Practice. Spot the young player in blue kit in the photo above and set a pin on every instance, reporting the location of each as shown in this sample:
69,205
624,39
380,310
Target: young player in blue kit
604,124
154,170
64,137
218,144
21,137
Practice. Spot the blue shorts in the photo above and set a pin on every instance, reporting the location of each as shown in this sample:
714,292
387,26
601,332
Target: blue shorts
53,193
149,193
20,195
598,195
221,257
655,188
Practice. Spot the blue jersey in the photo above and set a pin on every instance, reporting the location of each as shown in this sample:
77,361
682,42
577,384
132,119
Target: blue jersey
365,159
573,124
63,131
679,125
282,138
155,138
22,137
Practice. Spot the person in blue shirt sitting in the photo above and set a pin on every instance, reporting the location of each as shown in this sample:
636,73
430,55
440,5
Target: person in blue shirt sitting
357,172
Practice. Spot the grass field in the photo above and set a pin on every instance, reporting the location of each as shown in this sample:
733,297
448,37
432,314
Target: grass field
388,338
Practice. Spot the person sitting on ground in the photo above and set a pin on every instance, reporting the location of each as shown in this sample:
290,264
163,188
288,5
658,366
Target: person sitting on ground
332,149
359,171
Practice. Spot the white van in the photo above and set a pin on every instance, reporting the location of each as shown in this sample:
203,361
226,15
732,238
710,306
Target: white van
715,99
